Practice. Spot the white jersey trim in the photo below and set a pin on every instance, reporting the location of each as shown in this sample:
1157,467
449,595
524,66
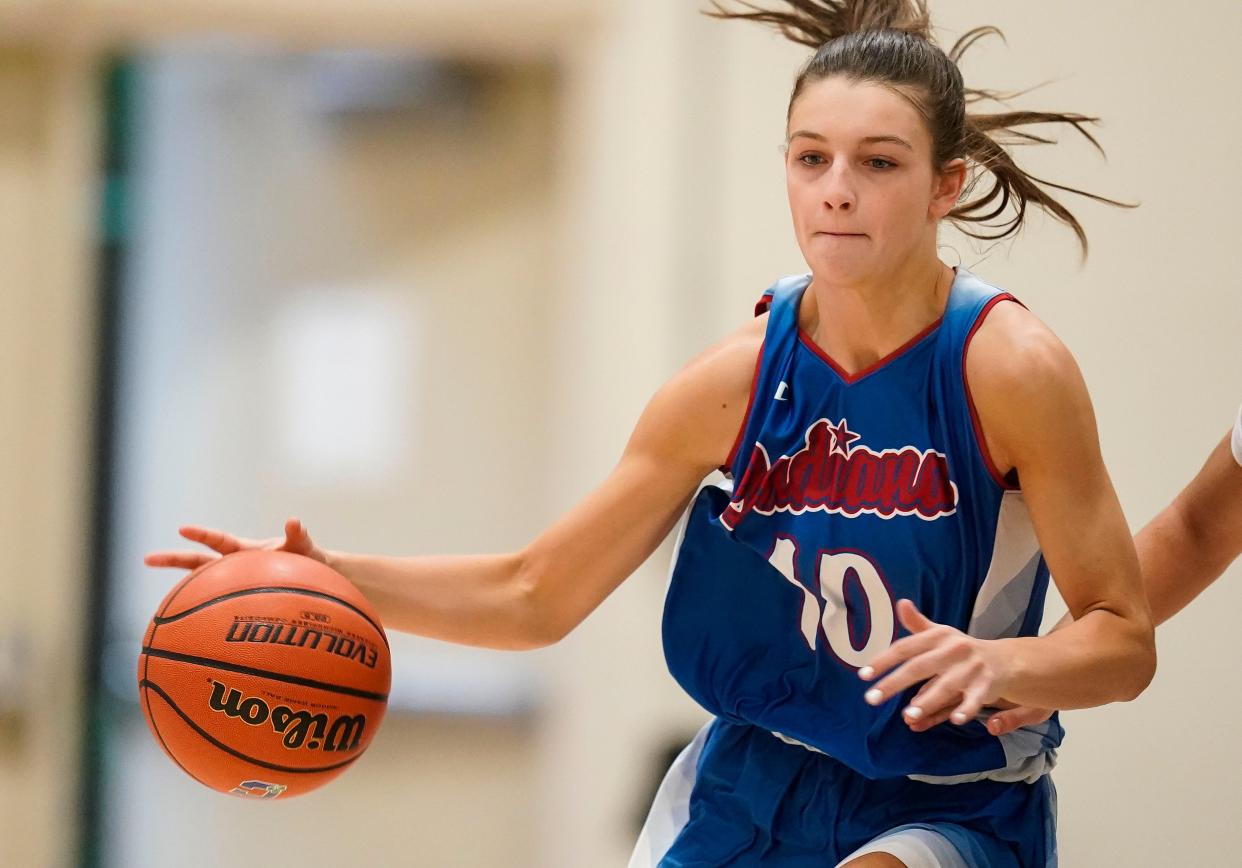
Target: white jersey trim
1237,438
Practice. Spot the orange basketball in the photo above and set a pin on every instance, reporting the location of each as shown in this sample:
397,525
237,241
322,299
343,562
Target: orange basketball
264,674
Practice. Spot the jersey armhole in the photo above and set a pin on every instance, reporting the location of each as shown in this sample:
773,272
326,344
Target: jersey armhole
1007,481
727,467
762,306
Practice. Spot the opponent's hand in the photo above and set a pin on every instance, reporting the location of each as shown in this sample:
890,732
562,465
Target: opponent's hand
962,673
295,540
1016,718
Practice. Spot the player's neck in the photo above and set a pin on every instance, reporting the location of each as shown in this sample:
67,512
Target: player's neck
868,321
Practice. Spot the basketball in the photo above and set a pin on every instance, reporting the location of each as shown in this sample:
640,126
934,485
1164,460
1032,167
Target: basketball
264,674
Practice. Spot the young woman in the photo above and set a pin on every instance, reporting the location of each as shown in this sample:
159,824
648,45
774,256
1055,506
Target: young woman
1182,550
877,418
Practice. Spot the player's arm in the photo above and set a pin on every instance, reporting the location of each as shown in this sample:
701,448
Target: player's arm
1181,551
535,596
1194,539
1037,418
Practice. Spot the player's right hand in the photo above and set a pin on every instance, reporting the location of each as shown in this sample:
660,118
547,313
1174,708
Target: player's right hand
295,540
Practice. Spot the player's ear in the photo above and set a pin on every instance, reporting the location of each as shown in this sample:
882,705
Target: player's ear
947,188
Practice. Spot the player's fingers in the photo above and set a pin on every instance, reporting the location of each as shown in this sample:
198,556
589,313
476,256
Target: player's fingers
970,706
1016,718
1003,723
925,723
178,560
297,539
937,660
225,544
922,709
911,618
945,691
928,720
901,651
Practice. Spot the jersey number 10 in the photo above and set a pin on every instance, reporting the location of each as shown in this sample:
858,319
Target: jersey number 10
834,617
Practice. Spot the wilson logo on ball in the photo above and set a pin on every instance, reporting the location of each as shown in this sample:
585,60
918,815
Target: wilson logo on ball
297,728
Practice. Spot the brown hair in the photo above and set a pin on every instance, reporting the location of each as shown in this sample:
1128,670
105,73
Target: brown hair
890,42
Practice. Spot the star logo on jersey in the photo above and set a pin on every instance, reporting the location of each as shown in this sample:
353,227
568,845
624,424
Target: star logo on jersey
842,437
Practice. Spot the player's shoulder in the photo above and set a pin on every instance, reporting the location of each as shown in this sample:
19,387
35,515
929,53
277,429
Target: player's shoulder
1013,352
1026,387
695,416
729,364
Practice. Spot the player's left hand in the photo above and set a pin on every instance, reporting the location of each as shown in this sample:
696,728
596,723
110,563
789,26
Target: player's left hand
963,673
1003,719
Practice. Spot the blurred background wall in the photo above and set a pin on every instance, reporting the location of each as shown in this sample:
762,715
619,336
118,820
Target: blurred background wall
410,270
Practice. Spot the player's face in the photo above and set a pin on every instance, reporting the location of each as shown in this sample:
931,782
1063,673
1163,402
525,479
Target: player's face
862,190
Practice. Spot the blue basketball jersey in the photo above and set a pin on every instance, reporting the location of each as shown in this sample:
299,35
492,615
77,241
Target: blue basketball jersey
848,493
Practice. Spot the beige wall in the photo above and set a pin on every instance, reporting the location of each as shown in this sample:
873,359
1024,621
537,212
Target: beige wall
669,203
479,28
46,353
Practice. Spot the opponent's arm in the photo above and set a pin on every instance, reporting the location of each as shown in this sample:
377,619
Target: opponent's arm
535,596
1195,538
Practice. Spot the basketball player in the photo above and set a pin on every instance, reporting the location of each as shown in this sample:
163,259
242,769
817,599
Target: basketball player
1182,550
911,449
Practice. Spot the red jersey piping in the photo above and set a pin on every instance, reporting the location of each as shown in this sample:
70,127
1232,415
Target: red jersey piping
727,467
980,440
851,379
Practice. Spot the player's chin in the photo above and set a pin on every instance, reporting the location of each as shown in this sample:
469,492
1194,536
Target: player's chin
841,262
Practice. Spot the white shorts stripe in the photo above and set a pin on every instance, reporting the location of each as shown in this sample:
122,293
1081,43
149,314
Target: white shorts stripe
670,811
916,847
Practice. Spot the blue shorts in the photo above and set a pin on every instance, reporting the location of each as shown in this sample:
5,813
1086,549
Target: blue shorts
739,796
